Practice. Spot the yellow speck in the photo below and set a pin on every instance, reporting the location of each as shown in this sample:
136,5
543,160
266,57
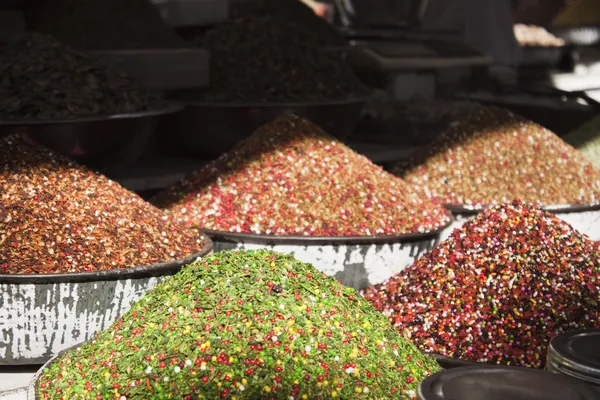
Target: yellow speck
267,389
219,384
244,381
106,374
334,394
358,390
238,349
304,396
214,358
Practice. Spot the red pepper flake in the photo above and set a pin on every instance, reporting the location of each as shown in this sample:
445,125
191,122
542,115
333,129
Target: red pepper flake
478,296
291,178
81,221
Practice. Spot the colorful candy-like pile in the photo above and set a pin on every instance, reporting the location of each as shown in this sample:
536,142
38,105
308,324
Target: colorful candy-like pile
498,289
59,217
493,156
290,178
243,325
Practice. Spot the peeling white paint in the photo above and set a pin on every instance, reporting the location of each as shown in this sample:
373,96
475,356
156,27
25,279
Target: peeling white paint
356,266
39,320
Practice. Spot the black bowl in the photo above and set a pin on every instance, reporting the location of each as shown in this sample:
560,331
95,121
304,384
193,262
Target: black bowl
97,141
208,130
501,383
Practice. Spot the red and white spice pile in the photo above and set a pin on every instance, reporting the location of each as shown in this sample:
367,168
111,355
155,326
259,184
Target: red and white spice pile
59,217
494,156
498,289
291,178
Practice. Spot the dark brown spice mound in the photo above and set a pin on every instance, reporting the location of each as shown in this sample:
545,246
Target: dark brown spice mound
498,289
41,78
267,59
297,12
102,25
494,156
291,178
58,217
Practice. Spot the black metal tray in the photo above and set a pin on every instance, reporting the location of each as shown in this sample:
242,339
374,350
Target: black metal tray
209,129
97,141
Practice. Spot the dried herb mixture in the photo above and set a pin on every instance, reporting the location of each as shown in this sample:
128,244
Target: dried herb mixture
291,178
58,217
243,325
41,78
498,289
494,156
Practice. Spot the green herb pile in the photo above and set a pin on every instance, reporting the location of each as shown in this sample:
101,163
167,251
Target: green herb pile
243,325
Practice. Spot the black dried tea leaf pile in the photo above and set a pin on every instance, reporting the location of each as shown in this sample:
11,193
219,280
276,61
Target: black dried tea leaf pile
243,325
102,25
40,78
265,59
294,11
494,156
291,178
59,217
498,289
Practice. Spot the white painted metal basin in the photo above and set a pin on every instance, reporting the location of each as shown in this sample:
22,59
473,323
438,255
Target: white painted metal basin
40,315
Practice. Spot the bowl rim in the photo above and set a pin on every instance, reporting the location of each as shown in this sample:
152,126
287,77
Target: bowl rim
258,238
170,108
554,208
354,100
146,271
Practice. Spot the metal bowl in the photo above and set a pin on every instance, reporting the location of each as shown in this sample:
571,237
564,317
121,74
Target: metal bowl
497,382
208,130
98,141
43,314
355,261
585,218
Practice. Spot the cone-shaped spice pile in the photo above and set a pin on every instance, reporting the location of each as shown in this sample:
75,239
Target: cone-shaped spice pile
498,289
56,216
258,59
493,156
245,325
40,78
290,178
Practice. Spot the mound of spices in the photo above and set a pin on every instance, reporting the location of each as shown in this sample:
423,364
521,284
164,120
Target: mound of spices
102,25
291,178
587,140
294,11
493,156
243,325
41,78
257,58
58,217
498,289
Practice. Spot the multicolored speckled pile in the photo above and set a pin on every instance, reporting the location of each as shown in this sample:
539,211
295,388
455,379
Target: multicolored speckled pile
498,289
493,156
243,325
291,178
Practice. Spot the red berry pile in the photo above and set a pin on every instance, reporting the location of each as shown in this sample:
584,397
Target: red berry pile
498,289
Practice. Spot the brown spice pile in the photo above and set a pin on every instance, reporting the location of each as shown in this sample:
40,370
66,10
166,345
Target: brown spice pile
494,156
58,217
291,178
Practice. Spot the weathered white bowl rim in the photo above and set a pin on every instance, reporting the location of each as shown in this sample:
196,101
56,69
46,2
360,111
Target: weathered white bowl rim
32,388
557,208
113,274
326,240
